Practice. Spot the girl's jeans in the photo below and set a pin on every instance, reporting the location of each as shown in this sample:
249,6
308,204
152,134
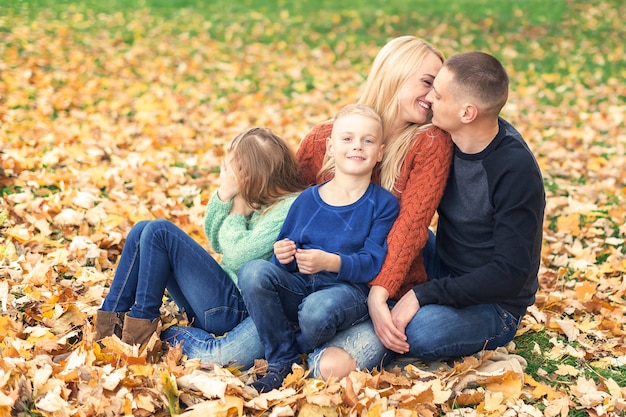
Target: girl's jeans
238,347
278,299
435,332
158,255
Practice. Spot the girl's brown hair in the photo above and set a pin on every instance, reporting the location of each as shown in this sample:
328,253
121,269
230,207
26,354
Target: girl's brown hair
265,167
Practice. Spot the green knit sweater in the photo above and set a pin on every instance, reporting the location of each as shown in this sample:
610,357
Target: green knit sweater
240,238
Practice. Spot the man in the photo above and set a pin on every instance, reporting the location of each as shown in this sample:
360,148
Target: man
483,270
482,266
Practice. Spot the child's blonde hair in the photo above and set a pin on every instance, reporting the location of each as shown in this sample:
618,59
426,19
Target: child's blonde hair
399,59
351,109
265,167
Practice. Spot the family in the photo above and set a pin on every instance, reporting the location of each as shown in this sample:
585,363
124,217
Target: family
328,252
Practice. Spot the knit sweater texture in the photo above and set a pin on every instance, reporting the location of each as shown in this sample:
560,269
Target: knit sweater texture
419,186
356,232
490,227
240,238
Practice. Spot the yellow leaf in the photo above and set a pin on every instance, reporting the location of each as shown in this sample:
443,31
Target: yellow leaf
509,384
314,410
493,404
566,370
569,223
229,406
19,233
171,392
540,389
141,370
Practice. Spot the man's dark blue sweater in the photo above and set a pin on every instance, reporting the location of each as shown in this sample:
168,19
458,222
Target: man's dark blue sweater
490,227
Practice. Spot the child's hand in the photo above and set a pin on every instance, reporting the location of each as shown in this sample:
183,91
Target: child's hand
240,206
285,251
312,261
229,186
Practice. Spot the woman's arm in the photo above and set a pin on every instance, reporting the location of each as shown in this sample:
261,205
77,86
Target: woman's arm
421,184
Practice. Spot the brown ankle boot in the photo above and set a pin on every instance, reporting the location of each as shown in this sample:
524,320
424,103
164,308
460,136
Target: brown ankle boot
109,323
138,331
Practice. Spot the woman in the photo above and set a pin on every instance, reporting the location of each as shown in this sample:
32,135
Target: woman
415,168
244,215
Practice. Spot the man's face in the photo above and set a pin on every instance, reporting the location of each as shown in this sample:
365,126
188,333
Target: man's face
446,109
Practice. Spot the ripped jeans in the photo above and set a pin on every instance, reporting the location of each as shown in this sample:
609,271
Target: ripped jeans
435,332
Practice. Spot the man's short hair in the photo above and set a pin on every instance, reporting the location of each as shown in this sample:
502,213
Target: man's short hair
480,76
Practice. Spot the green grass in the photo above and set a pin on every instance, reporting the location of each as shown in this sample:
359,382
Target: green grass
533,347
530,34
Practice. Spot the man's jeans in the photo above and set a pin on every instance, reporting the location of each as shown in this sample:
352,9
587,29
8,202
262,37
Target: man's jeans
318,304
159,255
435,332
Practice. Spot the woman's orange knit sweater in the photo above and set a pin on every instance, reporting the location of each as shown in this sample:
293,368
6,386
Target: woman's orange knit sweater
419,189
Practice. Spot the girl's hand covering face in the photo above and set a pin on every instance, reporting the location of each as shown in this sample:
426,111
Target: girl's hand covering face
229,186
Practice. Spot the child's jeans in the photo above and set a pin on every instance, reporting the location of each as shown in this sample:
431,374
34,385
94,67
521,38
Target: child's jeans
318,303
238,347
435,332
159,255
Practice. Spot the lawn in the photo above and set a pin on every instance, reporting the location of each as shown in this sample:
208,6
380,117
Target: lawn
113,112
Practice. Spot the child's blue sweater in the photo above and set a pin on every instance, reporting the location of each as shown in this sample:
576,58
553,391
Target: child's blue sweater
356,232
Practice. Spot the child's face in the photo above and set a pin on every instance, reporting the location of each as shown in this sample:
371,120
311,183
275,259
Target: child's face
356,143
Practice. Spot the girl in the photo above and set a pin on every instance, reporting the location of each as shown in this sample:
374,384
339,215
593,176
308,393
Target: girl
258,183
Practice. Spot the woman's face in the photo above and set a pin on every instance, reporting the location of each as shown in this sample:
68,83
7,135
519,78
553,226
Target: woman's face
414,108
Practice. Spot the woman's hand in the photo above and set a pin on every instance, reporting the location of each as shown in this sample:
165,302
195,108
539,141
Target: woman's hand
390,336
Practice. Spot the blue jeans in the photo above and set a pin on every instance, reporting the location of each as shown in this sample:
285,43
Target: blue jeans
435,332
158,255
238,347
317,304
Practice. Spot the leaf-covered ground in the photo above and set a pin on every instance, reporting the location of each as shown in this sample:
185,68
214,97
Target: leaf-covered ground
110,118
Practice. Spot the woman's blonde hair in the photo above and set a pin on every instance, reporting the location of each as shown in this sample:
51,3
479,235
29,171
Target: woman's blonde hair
357,108
264,165
399,59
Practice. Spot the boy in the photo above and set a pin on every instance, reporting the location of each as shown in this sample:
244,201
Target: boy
333,242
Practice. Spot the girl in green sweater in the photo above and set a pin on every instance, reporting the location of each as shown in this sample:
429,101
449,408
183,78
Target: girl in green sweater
258,183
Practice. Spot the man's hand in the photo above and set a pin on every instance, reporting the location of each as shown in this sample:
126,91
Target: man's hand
390,336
